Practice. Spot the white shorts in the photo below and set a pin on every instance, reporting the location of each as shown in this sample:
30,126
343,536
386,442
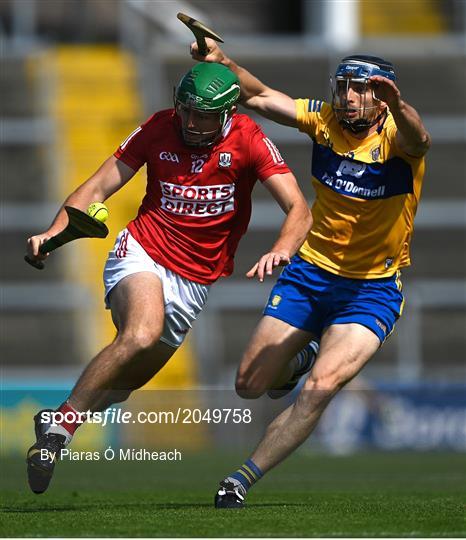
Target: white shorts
183,299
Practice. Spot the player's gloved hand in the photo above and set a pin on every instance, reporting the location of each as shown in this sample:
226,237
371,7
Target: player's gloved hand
33,245
214,54
267,263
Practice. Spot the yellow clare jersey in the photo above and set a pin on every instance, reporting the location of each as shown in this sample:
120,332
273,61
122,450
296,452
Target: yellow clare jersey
367,192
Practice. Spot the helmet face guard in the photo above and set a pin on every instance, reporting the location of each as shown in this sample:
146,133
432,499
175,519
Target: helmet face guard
204,101
353,73
199,127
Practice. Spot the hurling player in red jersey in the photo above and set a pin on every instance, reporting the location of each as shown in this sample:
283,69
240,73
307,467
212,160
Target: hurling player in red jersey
202,160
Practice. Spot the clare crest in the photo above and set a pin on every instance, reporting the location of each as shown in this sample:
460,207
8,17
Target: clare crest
375,153
224,159
276,299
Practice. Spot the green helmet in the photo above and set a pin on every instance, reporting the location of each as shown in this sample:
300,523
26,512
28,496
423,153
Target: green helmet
209,88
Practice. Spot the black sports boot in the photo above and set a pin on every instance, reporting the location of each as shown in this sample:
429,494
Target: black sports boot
43,455
228,496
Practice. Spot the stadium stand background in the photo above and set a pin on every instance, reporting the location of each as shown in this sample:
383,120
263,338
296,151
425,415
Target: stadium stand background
77,76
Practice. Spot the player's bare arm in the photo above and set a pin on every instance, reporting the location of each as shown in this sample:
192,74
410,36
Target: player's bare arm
412,137
255,95
286,192
111,176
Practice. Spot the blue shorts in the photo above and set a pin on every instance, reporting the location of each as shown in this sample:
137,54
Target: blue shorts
312,299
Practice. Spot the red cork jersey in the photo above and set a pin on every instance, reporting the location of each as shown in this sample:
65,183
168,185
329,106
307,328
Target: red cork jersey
197,204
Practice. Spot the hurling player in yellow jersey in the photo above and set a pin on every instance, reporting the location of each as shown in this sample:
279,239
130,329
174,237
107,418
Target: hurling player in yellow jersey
343,286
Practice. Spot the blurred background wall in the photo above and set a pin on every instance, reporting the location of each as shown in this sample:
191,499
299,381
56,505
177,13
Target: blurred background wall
78,76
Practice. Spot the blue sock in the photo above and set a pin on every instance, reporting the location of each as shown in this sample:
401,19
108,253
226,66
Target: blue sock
248,474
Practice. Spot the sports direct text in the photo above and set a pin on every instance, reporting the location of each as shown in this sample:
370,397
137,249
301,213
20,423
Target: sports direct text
176,416
199,201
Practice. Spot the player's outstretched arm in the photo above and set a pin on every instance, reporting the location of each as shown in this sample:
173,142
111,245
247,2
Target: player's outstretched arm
412,137
112,175
255,94
298,221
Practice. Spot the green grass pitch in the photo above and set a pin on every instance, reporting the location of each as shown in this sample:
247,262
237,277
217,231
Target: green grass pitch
417,495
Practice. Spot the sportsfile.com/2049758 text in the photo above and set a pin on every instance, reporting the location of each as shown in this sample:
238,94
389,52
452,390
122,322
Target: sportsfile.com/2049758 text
176,416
